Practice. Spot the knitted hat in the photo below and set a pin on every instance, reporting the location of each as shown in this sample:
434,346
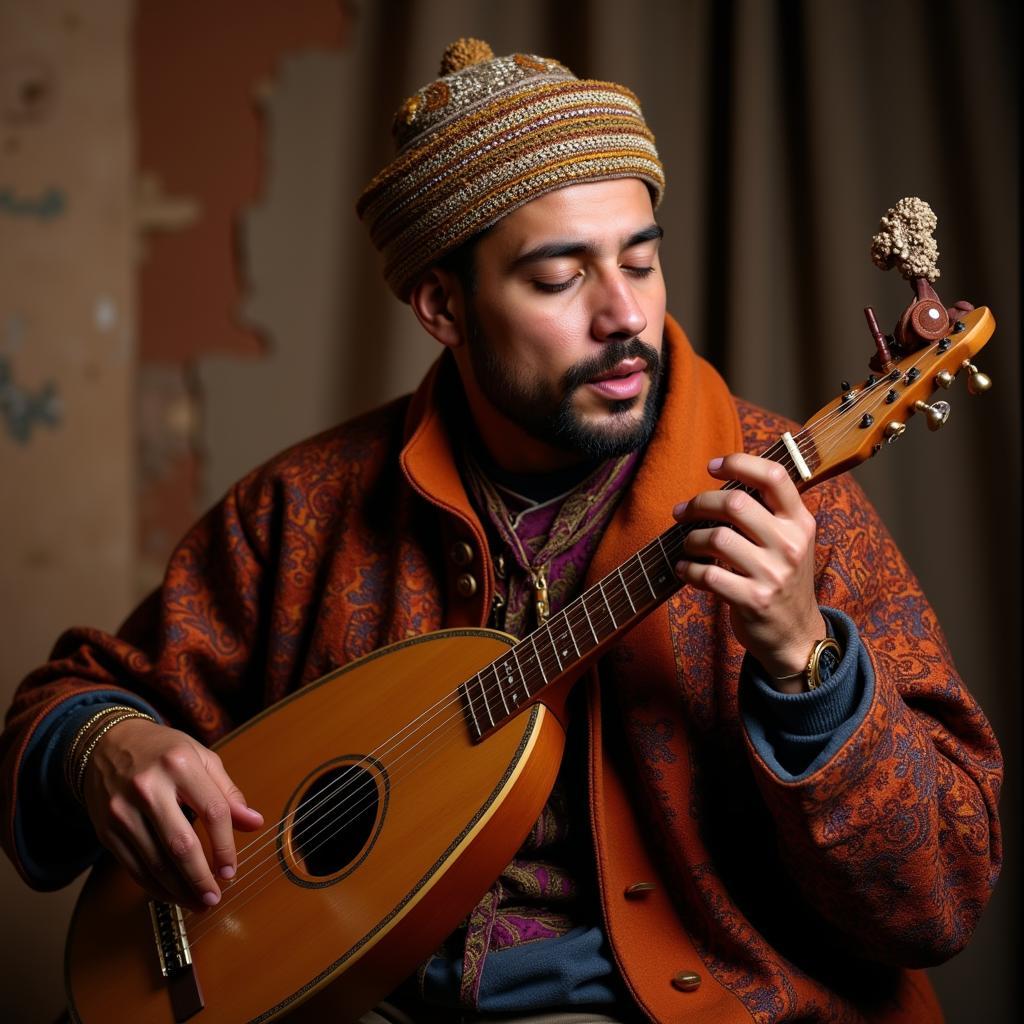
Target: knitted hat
488,136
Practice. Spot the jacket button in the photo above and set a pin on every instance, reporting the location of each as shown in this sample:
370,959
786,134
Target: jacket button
461,553
466,584
639,889
686,981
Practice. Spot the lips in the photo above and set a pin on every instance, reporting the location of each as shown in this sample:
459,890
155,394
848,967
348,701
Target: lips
624,380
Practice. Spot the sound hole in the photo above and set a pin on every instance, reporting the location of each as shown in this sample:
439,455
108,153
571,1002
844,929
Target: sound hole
334,819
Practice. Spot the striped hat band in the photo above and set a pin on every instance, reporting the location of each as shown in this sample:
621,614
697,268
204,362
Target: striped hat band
489,137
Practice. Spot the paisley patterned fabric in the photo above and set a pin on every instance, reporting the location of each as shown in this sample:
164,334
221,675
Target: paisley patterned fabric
538,896
805,899
557,537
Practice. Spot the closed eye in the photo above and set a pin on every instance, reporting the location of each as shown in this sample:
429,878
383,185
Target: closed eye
551,288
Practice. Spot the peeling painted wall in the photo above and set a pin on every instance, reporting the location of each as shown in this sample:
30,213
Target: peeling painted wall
202,164
67,348
305,257
120,176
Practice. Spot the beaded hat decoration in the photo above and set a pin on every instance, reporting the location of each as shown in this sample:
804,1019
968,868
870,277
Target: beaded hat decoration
485,138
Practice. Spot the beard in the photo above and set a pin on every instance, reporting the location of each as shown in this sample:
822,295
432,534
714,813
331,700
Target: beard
545,410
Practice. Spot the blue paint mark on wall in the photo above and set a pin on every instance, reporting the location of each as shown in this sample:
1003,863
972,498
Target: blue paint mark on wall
22,411
47,205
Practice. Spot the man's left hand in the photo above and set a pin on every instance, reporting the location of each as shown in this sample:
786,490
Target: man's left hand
760,560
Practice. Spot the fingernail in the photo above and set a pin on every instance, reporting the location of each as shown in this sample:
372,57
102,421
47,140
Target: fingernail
715,465
227,871
211,899
679,509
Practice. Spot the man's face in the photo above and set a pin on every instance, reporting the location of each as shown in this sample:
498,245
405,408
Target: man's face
565,324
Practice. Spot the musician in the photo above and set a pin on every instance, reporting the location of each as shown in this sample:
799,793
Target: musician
777,801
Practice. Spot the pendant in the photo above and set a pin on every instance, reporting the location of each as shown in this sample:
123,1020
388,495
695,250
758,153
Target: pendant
540,594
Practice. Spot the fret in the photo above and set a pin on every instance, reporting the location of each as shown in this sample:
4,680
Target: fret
501,693
626,589
668,561
508,674
501,688
583,604
676,542
615,625
487,704
522,676
540,664
553,645
572,636
643,568
659,574
469,704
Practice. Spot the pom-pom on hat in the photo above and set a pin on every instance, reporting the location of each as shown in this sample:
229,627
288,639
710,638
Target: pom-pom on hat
488,136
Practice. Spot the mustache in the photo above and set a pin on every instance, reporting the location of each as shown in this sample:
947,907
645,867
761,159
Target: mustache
610,357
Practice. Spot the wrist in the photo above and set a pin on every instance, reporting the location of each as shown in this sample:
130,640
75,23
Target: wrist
789,660
821,661
88,737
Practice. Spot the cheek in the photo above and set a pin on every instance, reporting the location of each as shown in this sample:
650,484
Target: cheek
654,307
535,346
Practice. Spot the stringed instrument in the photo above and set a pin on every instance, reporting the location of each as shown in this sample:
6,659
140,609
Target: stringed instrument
405,782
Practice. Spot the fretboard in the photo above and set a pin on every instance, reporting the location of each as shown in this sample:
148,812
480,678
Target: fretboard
585,626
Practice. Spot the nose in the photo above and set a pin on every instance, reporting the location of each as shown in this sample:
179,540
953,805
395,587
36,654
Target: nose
617,314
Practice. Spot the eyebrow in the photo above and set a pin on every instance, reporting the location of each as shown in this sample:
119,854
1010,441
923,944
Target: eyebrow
556,250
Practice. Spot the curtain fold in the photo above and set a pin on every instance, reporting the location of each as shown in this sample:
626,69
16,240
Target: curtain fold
787,129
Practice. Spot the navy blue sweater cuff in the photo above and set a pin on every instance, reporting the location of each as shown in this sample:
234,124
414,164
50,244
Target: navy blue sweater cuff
54,837
795,733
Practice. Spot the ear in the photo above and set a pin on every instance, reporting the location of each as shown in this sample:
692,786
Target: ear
437,301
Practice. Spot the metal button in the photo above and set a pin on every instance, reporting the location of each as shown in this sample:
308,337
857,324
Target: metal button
461,553
638,889
686,981
466,584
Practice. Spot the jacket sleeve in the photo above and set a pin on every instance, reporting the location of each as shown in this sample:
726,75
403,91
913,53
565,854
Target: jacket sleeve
892,834
188,653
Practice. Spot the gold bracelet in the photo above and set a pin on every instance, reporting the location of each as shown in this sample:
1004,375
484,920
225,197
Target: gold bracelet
792,675
811,672
79,783
83,730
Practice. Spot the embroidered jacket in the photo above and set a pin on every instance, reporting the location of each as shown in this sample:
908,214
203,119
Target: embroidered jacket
808,897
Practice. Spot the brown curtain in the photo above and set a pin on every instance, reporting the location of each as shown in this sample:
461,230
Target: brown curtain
787,129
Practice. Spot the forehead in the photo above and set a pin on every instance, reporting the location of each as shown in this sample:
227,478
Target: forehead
603,214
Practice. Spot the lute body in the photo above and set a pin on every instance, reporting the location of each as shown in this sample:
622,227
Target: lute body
447,815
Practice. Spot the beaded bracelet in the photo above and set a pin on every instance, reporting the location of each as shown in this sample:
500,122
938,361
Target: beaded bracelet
83,763
83,730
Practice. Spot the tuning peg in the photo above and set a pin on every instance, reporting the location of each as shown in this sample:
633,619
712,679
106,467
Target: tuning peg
944,379
938,413
977,383
894,431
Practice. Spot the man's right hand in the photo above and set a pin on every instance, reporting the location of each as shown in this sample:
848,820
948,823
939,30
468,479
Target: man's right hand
138,780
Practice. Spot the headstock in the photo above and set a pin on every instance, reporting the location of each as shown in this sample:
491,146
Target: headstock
930,346
875,413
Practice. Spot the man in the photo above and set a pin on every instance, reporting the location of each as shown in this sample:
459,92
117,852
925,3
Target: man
791,797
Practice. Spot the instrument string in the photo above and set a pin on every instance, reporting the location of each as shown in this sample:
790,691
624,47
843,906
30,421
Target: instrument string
808,439
441,705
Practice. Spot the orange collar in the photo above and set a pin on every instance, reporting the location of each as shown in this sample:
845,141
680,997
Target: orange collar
698,421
